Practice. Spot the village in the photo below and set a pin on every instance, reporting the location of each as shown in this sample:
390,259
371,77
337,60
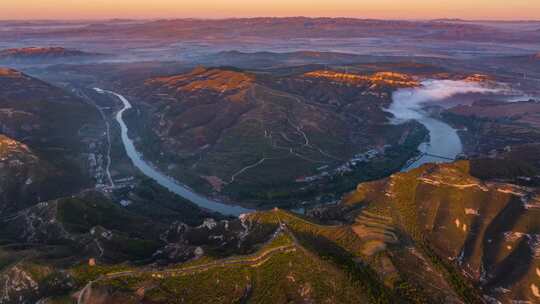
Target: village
349,166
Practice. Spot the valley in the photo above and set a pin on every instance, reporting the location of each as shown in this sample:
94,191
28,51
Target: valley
161,179
269,160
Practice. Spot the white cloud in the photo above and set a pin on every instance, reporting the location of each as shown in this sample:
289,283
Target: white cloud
407,103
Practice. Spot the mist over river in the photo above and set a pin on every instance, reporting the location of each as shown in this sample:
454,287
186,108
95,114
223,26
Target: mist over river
444,144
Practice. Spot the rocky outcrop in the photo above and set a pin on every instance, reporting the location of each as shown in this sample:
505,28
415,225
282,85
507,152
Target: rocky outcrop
38,224
231,84
26,283
224,237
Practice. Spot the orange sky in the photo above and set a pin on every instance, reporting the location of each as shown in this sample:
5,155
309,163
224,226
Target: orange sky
394,9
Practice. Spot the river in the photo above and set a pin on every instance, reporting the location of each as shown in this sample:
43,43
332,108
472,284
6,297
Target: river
444,144
166,181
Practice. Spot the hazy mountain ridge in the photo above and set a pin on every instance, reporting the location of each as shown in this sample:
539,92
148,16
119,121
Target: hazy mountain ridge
47,55
294,27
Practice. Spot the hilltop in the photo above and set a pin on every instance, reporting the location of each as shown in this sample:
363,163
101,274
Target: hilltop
392,79
231,83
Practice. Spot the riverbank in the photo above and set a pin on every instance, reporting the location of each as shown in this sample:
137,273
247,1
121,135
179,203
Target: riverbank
166,181
444,144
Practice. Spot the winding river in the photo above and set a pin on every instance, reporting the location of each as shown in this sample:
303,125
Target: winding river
444,144
166,181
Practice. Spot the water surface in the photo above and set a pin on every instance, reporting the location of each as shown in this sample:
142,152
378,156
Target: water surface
444,144
166,181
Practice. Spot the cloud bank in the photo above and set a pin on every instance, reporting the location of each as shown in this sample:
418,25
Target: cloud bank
407,103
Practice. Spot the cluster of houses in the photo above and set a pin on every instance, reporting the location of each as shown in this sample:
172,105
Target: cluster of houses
346,167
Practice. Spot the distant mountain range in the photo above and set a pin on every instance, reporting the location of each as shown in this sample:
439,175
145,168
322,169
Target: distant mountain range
43,54
237,58
286,28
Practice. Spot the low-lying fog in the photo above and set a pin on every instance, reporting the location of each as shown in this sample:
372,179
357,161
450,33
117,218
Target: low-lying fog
409,103
444,144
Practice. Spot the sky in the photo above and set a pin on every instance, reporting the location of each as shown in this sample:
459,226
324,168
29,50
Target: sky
381,9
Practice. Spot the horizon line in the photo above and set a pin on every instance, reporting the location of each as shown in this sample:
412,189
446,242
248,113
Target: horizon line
109,19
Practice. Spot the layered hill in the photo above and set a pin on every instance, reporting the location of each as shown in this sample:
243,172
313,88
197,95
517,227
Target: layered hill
269,59
487,229
42,54
44,140
284,28
244,133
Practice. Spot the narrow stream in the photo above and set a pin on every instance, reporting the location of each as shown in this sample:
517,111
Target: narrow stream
166,181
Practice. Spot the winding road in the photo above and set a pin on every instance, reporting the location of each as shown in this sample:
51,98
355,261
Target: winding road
255,260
